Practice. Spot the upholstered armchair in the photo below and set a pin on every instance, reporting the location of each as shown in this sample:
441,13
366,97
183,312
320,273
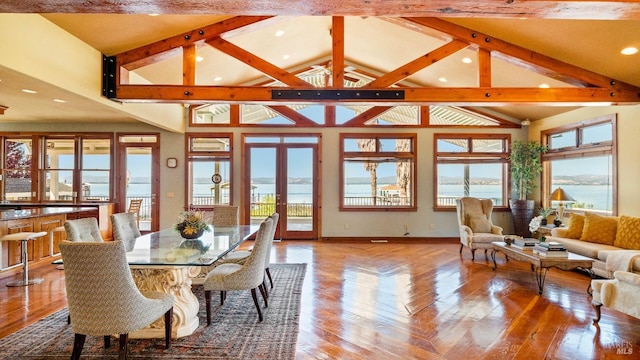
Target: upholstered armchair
102,297
248,276
475,226
125,229
83,230
621,293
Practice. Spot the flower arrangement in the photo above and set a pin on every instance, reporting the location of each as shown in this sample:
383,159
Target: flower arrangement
535,223
191,223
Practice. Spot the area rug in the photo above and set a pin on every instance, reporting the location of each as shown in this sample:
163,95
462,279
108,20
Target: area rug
235,332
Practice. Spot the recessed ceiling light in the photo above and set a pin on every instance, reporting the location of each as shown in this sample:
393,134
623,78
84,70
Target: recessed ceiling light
629,50
466,60
544,86
29,91
279,33
217,78
199,58
59,100
286,56
442,79
153,14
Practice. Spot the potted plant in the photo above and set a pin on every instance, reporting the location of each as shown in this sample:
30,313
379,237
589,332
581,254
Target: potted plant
545,213
526,166
191,225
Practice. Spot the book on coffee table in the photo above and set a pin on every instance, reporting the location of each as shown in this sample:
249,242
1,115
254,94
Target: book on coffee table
525,244
552,250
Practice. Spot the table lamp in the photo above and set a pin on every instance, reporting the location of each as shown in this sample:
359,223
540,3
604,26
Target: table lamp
560,195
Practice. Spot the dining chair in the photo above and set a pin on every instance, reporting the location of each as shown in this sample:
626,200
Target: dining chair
83,230
125,229
134,208
225,215
240,256
250,275
108,302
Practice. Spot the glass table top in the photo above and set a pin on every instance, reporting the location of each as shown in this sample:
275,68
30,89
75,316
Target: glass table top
167,247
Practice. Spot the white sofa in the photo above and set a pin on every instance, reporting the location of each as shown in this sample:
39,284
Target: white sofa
614,242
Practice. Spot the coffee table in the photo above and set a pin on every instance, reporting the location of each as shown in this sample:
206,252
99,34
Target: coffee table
540,264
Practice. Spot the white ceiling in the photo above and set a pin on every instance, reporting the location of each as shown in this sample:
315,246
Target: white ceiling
372,44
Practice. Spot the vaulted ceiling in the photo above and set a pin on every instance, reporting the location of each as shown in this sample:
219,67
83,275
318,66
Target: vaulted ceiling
509,56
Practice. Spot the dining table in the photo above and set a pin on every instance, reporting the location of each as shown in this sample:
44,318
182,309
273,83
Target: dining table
164,261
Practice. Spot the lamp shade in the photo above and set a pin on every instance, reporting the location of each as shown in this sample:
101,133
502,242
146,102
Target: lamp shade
560,195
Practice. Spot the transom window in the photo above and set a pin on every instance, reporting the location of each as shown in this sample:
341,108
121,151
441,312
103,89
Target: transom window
471,165
378,171
581,159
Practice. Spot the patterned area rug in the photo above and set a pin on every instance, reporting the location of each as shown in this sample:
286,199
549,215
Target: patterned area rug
235,332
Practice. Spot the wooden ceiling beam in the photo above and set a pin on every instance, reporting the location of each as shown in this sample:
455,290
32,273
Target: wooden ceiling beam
169,47
363,117
522,57
543,9
413,95
294,116
2,109
189,65
257,63
337,53
418,64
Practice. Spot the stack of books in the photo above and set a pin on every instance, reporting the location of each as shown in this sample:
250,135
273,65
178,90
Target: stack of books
550,249
525,244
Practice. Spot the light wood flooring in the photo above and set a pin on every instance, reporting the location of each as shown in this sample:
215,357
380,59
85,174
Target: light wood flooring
412,301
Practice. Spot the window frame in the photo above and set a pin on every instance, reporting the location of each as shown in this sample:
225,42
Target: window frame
410,155
192,156
471,157
580,150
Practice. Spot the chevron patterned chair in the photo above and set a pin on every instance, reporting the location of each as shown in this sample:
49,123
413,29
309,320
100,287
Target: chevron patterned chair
108,301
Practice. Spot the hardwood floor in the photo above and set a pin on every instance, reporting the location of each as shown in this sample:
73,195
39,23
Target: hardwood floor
412,301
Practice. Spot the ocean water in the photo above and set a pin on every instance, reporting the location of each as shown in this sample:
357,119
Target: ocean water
592,196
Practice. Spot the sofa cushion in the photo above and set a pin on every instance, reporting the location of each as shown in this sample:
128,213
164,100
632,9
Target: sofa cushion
583,248
599,229
576,225
628,234
479,223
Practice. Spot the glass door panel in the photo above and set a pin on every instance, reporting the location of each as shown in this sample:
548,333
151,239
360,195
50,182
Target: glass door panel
282,179
299,201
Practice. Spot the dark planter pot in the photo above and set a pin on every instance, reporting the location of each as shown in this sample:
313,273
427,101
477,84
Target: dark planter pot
543,221
522,211
192,236
557,222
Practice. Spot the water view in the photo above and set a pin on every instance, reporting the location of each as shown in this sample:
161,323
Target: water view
586,196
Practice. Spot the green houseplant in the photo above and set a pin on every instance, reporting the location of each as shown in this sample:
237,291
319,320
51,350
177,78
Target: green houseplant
526,166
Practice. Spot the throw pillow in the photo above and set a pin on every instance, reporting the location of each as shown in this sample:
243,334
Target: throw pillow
479,224
628,235
599,229
576,225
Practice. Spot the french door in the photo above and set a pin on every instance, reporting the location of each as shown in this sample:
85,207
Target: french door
282,173
139,177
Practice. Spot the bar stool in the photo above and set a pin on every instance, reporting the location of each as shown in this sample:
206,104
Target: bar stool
51,237
24,237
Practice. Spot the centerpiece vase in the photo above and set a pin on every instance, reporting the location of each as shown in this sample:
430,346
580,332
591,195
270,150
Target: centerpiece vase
192,235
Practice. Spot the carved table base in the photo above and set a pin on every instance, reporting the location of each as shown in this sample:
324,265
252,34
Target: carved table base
174,280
